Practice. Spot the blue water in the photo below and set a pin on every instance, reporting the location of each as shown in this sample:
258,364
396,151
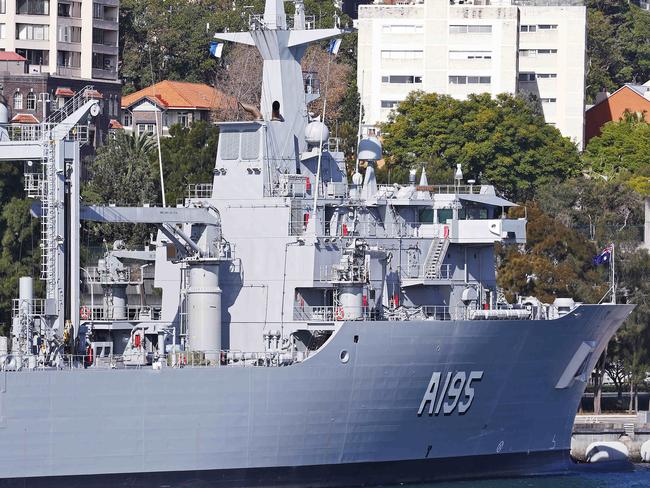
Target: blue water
637,478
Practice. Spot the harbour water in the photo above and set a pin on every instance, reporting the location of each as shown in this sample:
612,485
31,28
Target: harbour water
639,477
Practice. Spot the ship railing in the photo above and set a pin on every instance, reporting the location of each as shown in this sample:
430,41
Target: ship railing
415,271
199,190
330,313
95,275
39,132
335,273
425,312
132,313
32,308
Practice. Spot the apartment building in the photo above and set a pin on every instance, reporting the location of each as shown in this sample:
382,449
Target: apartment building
66,45
475,46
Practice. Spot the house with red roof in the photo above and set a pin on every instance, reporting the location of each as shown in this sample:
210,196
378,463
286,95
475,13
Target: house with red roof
631,97
169,103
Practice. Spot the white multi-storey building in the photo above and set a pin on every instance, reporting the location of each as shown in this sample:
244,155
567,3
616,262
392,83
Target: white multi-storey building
475,46
72,39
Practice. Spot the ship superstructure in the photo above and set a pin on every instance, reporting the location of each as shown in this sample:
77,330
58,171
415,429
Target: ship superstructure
288,325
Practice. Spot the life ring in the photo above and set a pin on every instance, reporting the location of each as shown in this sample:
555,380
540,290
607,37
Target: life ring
84,313
340,314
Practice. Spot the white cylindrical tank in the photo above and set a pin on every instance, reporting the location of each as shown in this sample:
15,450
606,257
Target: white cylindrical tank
350,303
119,302
25,293
204,309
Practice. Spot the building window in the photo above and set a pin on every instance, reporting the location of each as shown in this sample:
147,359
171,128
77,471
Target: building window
470,55
546,75
18,101
127,119
98,11
148,129
470,29
401,79
3,30
473,80
527,28
68,59
32,32
547,26
403,29
3,6
548,100
69,33
402,54
526,76
183,119
547,51
33,7
31,101
389,103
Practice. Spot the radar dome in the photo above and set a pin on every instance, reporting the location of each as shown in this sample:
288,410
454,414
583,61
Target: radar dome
315,132
369,149
357,178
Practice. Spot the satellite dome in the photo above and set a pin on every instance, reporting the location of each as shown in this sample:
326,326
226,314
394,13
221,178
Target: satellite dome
369,149
357,178
315,132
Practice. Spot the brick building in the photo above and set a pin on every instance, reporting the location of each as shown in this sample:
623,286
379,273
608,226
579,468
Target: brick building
608,108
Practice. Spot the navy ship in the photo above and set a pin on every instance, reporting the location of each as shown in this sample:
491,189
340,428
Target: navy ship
286,326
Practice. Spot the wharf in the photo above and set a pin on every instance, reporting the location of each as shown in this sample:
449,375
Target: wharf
630,429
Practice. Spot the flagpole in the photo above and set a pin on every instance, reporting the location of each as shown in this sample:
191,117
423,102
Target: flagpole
612,268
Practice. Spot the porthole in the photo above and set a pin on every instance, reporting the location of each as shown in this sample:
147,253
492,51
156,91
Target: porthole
345,356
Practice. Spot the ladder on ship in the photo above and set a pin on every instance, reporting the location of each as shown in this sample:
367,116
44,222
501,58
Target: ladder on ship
435,257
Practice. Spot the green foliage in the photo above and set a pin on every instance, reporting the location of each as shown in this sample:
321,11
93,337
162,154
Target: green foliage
554,262
622,147
604,211
188,157
19,254
618,45
501,140
125,173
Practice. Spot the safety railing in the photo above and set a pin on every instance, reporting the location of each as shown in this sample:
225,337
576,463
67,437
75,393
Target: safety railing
328,313
96,275
133,313
33,307
199,190
415,271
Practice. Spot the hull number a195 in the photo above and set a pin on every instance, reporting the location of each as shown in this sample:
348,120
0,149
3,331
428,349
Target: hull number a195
454,393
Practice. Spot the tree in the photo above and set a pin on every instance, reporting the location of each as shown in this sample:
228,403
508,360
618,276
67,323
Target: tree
604,211
123,173
555,262
499,140
188,157
618,45
622,148
19,253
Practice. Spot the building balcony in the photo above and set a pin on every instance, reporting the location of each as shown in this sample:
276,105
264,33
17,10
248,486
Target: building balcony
105,49
68,72
105,74
106,24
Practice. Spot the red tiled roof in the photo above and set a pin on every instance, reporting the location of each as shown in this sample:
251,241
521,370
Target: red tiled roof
24,119
64,92
11,56
179,95
93,94
114,124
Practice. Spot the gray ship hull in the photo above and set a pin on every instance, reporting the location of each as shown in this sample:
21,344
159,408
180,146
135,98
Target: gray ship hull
323,422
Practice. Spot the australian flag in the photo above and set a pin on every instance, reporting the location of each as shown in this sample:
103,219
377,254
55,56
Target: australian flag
604,257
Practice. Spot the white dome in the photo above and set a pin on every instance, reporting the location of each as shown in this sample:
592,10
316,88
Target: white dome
315,132
369,149
357,178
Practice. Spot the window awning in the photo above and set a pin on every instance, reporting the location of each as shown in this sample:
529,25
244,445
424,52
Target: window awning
64,92
493,200
93,94
24,119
